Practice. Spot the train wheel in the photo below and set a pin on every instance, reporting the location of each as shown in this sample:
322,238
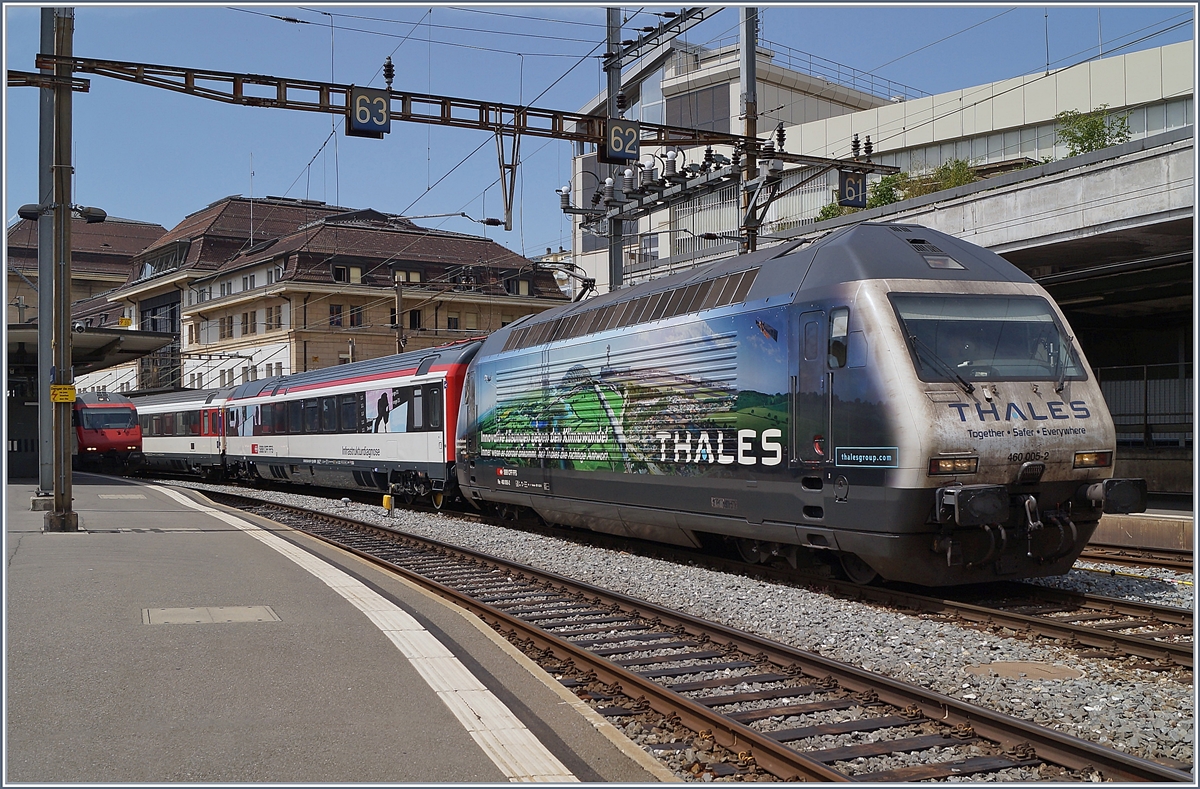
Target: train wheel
856,570
751,550
438,498
408,499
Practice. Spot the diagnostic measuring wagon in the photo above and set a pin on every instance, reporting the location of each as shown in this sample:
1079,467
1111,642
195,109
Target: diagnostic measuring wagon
884,397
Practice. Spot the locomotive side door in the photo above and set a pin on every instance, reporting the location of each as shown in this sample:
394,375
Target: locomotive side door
810,391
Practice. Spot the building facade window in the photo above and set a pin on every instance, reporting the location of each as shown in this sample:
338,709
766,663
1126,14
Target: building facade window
356,316
517,287
470,321
349,274
335,314
250,322
274,318
414,319
451,320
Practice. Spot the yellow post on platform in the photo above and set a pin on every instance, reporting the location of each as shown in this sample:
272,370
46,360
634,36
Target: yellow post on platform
387,504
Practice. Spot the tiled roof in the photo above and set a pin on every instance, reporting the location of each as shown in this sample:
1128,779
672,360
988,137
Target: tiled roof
101,248
392,241
224,227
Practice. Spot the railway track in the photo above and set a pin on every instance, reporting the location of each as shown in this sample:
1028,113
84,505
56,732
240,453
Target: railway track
1093,625
1138,557
752,706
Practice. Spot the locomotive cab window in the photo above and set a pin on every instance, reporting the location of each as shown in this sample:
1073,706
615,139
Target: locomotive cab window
982,337
839,329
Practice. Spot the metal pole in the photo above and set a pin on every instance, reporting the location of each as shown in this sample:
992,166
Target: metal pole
45,270
62,518
399,315
616,227
748,57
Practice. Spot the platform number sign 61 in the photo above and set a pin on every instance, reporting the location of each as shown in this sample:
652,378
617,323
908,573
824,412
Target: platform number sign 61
622,141
369,112
852,189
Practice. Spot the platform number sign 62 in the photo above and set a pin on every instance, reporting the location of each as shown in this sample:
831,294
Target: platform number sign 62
369,112
622,141
852,189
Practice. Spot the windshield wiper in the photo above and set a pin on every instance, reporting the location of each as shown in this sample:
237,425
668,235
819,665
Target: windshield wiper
1066,350
946,369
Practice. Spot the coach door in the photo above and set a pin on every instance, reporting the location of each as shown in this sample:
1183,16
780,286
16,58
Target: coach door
810,391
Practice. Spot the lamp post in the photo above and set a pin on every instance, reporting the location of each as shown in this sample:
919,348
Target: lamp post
62,518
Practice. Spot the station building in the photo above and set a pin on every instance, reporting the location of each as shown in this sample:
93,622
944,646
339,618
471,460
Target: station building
272,286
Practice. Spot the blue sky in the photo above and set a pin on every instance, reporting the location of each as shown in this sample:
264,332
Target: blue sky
154,155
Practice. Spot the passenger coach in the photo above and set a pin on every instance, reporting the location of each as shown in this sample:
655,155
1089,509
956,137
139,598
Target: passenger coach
385,424
183,432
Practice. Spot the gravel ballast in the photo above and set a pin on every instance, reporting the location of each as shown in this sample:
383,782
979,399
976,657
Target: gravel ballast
1142,712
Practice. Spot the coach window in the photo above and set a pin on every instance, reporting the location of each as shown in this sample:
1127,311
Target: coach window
839,325
418,409
204,424
194,423
281,414
349,415
433,399
296,417
168,423
267,424
329,415
312,416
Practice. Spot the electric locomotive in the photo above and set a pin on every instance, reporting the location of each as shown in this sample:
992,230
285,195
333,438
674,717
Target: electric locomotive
106,432
885,397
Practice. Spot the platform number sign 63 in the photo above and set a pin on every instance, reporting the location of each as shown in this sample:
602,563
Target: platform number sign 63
852,189
369,112
622,141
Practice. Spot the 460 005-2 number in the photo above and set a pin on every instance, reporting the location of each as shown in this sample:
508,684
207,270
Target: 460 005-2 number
1023,457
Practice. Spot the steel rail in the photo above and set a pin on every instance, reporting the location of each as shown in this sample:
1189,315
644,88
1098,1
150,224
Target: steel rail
1051,746
1179,653
1125,555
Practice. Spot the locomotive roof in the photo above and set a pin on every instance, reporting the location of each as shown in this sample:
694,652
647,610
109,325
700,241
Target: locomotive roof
102,398
873,250
456,353
859,252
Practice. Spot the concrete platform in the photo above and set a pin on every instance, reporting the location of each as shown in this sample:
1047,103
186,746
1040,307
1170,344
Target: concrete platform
1169,529
171,640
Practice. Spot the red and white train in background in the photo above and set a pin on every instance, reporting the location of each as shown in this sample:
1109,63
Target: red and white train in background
105,433
386,424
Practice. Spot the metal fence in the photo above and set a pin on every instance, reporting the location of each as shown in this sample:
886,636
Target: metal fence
1151,404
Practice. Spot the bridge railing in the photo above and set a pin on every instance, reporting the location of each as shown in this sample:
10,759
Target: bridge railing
1151,404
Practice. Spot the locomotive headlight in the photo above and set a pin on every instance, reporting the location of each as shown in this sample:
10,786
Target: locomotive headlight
1093,459
947,466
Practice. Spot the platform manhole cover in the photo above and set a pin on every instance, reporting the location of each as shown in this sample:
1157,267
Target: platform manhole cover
208,615
1017,669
